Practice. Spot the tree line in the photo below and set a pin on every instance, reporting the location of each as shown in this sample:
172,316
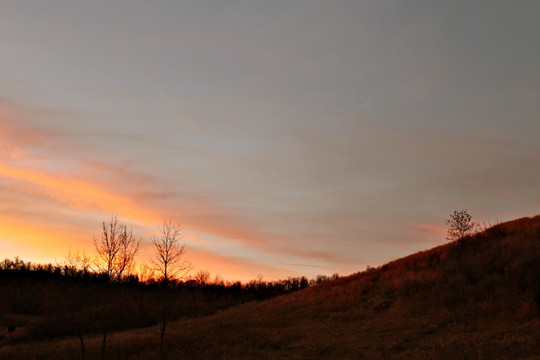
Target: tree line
71,300
84,296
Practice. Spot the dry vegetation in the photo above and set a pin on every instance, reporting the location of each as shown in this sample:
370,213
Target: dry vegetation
476,299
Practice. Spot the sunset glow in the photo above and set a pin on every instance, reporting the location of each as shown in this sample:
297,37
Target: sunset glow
286,139
78,194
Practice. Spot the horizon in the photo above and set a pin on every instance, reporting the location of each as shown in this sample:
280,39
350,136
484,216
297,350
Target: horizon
287,139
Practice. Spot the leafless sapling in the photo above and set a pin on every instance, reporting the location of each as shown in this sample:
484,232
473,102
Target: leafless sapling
116,250
170,263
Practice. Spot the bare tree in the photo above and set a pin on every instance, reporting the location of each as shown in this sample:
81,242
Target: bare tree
169,263
77,261
129,246
460,225
202,277
169,259
116,248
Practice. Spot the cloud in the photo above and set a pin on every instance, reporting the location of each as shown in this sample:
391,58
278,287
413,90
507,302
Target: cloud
429,232
48,185
251,134
78,194
14,134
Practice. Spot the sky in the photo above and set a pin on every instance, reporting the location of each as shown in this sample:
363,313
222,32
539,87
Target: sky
287,138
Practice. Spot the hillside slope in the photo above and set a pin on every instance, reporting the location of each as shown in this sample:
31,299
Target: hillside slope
479,299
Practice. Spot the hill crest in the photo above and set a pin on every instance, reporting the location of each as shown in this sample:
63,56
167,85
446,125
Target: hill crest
476,299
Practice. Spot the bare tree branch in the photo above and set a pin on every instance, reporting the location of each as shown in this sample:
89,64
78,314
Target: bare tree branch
169,262
169,258
116,249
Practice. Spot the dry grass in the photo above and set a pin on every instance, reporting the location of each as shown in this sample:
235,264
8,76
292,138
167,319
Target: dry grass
476,301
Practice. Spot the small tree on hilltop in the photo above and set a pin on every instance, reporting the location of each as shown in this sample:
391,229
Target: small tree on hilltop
460,225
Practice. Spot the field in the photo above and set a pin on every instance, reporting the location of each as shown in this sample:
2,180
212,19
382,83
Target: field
478,299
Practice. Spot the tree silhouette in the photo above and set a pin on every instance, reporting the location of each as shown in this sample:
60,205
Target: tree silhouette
202,277
169,259
116,249
460,225
169,263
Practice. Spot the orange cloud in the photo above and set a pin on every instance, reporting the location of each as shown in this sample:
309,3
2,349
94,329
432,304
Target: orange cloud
433,230
80,194
198,216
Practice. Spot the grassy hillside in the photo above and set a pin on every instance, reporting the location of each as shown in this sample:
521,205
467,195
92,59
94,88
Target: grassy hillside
476,300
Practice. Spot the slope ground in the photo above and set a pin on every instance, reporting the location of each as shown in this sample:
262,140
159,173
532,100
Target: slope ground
478,299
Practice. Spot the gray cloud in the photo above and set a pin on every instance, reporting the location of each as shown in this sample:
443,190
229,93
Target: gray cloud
314,132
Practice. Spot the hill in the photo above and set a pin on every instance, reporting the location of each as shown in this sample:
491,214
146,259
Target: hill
476,299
